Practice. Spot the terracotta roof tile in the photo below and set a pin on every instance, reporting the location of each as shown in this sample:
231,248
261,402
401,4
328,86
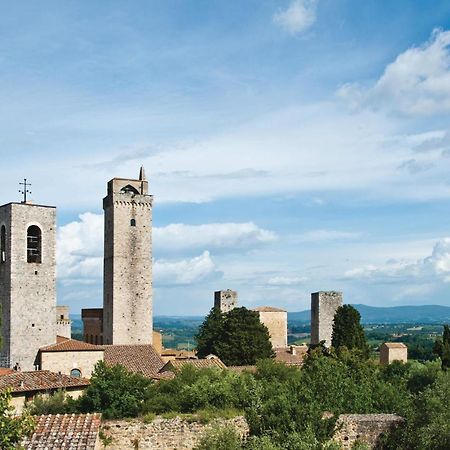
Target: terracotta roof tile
70,345
394,345
285,355
5,371
268,309
142,359
56,432
39,380
240,369
178,364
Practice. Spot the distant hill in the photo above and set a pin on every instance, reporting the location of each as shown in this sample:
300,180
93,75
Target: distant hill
392,314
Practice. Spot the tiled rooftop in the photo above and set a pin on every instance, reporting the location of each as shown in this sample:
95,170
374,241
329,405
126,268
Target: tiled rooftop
39,380
286,356
142,359
69,432
178,364
64,344
268,309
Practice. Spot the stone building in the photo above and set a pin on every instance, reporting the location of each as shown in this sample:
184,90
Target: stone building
275,320
27,282
323,309
393,351
92,325
127,292
63,322
225,300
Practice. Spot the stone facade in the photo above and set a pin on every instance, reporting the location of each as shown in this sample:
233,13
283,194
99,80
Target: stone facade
323,309
65,361
127,301
276,322
393,351
163,434
226,300
63,322
365,428
27,282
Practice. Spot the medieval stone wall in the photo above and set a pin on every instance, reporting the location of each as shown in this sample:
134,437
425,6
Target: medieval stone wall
162,434
276,323
64,362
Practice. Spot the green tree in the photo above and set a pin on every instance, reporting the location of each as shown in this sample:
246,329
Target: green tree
12,428
442,348
348,332
115,392
237,337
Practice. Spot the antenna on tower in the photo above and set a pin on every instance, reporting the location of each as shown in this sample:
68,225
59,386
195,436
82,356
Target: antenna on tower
25,191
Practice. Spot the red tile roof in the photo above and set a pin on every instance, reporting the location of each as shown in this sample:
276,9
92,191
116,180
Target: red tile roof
64,344
39,380
5,371
268,309
240,369
142,359
71,432
284,355
178,364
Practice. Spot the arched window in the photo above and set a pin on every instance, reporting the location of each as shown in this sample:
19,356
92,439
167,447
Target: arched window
34,244
3,244
128,189
75,373
133,222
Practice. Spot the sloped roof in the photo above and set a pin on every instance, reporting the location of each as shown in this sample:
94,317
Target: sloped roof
142,359
394,345
268,309
178,364
39,380
284,355
68,431
240,369
64,344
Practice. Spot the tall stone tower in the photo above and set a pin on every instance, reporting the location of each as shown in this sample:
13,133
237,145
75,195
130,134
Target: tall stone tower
323,309
127,290
225,301
27,282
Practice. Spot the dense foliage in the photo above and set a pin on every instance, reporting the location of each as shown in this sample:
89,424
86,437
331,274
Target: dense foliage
284,406
442,348
237,337
348,331
12,428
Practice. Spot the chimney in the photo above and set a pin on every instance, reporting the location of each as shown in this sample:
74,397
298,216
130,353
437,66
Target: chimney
293,350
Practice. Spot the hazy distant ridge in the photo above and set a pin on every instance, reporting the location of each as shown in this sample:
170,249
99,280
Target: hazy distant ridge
392,314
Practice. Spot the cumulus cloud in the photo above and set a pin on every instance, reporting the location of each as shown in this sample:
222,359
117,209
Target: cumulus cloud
186,271
416,83
213,236
297,17
286,280
435,266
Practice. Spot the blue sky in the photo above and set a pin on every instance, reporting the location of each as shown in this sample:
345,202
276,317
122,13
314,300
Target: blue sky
291,145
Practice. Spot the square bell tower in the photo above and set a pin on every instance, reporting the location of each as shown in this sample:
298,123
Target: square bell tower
27,282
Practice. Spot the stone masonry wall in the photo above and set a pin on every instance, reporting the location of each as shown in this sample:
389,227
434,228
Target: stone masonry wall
226,300
162,434
64,362
365,428
276,323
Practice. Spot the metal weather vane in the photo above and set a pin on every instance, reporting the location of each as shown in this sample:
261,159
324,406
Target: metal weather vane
25,191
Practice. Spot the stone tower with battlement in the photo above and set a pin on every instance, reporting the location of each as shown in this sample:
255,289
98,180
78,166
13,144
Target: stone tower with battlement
225,301
127,289
323,309
27,282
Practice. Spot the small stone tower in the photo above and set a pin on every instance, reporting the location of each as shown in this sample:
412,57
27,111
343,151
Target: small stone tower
127,289
27,282
323,309
225,301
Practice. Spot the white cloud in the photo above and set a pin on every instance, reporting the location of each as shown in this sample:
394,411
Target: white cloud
286,280
416,83
187,271
298,17
327,235
229,236
435,266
